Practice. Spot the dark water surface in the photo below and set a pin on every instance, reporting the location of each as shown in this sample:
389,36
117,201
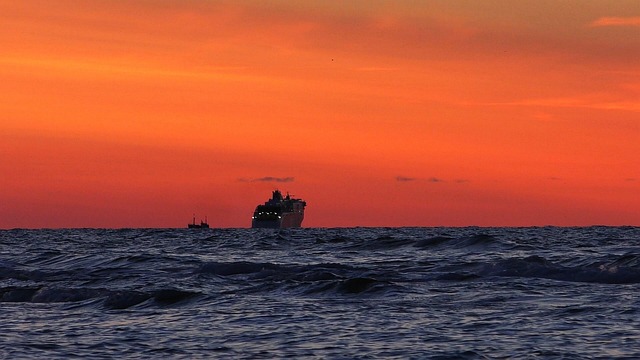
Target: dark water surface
442,293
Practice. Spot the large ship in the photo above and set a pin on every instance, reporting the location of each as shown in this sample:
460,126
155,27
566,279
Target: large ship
279,212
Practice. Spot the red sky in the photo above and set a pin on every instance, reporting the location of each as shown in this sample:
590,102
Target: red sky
140,113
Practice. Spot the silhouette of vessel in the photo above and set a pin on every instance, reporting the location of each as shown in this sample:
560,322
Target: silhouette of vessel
202,225
279,212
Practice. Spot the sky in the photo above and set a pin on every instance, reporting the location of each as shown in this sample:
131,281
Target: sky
142,113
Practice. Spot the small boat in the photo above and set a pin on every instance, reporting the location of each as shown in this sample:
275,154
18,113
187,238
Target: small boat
202,225
279,212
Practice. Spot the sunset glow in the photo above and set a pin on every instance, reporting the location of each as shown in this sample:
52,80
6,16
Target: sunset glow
377,113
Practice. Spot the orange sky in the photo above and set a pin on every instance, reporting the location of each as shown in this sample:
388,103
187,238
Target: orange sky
139,113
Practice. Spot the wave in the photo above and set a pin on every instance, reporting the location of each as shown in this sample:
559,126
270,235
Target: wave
433,241
614,272
477,242
236,268
376,244
121,299
302,279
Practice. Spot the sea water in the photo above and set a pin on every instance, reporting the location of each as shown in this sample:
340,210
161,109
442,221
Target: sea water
347,293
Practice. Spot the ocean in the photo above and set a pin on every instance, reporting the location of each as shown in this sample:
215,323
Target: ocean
343,293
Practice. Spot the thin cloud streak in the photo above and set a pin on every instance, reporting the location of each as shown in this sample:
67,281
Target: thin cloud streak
377,68
432,179
270,179
616,21
568,103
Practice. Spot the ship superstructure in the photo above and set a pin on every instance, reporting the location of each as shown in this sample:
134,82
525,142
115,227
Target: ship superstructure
279,212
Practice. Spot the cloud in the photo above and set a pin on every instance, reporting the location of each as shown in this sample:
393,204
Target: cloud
584,102
377,68
432,179
274,179
616,21
270,179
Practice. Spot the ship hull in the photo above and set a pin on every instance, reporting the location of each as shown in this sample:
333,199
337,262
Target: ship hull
287,220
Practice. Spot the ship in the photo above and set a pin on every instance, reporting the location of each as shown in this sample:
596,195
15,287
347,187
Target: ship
279,212
202,225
